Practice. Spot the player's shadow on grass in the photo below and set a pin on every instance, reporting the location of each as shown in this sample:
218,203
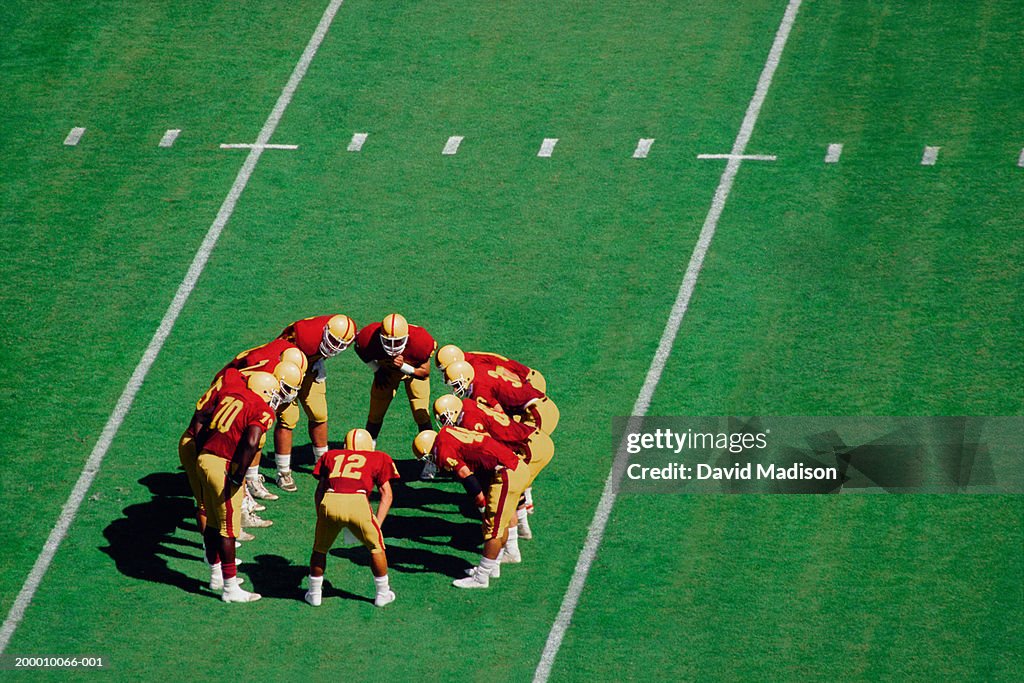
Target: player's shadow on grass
406,560
274,576
433,531
436,496
141,541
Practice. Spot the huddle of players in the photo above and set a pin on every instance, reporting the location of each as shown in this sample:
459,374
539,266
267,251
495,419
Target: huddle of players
494,437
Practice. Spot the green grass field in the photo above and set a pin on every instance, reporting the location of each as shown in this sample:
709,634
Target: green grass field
872,286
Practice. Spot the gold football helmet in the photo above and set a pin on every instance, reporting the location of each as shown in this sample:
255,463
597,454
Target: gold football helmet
339,332
358,440
267,387
448,354
394,334
448,410
459,376
294,355
423,444
290,377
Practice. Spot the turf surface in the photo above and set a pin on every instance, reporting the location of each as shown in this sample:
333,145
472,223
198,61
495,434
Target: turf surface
874,286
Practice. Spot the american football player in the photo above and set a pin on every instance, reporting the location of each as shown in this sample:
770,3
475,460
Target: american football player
346,477
398,353
267,358
229,432
228,379
466,453
483,361
319,338
531,444
496,388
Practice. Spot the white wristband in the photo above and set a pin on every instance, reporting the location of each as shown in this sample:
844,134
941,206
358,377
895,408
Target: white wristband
407,369
373,365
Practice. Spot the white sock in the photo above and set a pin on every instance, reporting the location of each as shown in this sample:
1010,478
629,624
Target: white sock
521,514
487,565
513,540
253,473
284,462
381,582
318,452
528,494
316,584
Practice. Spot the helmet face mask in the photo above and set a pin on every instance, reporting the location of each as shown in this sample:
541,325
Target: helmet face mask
267,387
423,446
338,334
290,377
459,376
394,334
448,410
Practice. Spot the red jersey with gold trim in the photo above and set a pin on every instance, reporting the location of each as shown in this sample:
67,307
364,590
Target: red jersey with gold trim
482,362
228,379
457,447
234,411
418,349
307,334
481,417
261,358
496,388
356,471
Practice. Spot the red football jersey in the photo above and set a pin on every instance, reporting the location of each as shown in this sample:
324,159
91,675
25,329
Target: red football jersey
418,349
482,362
356,471
260,359
234,412
228,379
483,418
495,388
456,447
307,334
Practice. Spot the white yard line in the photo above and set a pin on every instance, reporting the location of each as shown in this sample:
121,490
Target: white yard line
124,403
1020,159
739,157
74,136
930,156
357,142
835,150
169,137
643,147
250,145
452,146
547,147
643,401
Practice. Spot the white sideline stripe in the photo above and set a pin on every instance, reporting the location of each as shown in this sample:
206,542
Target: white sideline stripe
249,145
452,146
835,150
930,156
739,157
169,137
547,147
74,136
124,403
643,146
643,401
357,142
1020,159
